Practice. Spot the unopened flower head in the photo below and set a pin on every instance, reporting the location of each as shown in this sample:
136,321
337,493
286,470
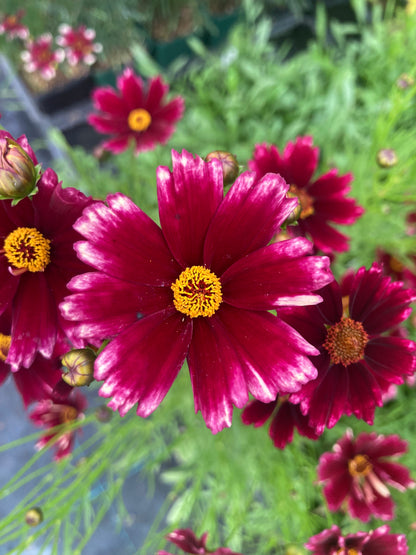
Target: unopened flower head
387,158
18,173
230,167
34,516
78,367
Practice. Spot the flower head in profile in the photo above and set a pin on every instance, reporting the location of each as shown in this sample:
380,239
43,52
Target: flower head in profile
78,44
135,113
36,262
185,539
285,418
358,472
65,405
41,57
322,200
375,542
201,287
359,356
11,25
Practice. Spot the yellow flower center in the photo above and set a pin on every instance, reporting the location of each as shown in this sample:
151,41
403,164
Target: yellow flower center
346,341
305,207
347,551
359,466
68,413
139,119
197,292
5,341
26,248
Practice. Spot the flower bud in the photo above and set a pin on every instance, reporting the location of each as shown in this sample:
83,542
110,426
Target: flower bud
229,164
103,414
34,516
18,173
386,158
78,367
405,81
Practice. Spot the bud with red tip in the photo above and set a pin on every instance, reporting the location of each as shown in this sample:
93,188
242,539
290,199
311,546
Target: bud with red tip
18,173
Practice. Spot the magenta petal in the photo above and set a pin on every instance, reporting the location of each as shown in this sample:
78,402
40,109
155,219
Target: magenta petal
391,358
188,198
324,236
34,321
257,413
339,210
170,113
131,88
9,284
118,144
157,89
396,475
276,275
247,219
337,489
106,305
140,364
217,377
37,382
125,243
301,160
385,446
106,124
330,184
273,354
107,100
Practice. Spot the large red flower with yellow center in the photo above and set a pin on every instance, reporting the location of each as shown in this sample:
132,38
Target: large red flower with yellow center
358,359
36,262
199,288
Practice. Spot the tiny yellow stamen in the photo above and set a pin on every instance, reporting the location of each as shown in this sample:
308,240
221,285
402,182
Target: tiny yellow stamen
350,551
5,341
139,119
346,341
305,207
359,466
197,292
28,249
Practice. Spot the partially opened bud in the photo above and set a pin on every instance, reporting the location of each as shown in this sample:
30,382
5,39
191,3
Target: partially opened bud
18,173
229,164
78,366
386,158
34,516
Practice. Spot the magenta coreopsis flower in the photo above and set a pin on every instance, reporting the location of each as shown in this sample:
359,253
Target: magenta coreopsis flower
358,472
322,200
135,113
396,269
78,44
199,288
359,357
36,262
375,542
285,418
186,540
11,25
40,56
64,406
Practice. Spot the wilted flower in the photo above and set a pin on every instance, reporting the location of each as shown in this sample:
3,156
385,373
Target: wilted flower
36,262
40,57
18,171
285,418
78,366
34,516
359,471
375,542
321,200
11,25
200,288
63,407
186,540
135,113
79,44
386,158
359,357
229,164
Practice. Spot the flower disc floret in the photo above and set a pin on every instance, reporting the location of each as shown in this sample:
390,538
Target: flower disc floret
359,466
26,248
346,341
139,119
197,292
5,341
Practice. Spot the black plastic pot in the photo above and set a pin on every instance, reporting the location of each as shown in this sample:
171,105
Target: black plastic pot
67,95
